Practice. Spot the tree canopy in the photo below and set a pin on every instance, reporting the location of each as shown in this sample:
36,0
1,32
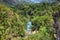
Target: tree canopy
13,21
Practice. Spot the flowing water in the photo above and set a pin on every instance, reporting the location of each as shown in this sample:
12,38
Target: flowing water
29,23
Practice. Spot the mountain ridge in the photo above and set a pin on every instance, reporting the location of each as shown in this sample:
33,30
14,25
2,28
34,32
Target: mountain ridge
15,2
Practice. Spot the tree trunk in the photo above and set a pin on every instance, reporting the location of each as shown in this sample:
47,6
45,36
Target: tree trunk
56,25
58,34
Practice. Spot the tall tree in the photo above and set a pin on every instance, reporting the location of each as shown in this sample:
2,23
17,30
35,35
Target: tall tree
57,24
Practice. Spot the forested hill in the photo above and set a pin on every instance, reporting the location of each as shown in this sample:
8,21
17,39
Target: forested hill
13,21
15,2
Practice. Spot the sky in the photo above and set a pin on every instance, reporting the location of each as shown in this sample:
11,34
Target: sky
36,1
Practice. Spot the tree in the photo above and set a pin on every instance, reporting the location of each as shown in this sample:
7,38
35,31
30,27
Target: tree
57,24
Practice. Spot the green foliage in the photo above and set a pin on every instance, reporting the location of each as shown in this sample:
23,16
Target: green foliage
13,20
11,23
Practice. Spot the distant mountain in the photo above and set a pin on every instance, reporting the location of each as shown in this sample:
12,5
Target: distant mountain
10,2
14,2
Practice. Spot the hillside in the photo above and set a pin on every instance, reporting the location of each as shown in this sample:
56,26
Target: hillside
13,21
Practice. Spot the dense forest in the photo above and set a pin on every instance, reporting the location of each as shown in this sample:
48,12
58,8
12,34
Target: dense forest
44,16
